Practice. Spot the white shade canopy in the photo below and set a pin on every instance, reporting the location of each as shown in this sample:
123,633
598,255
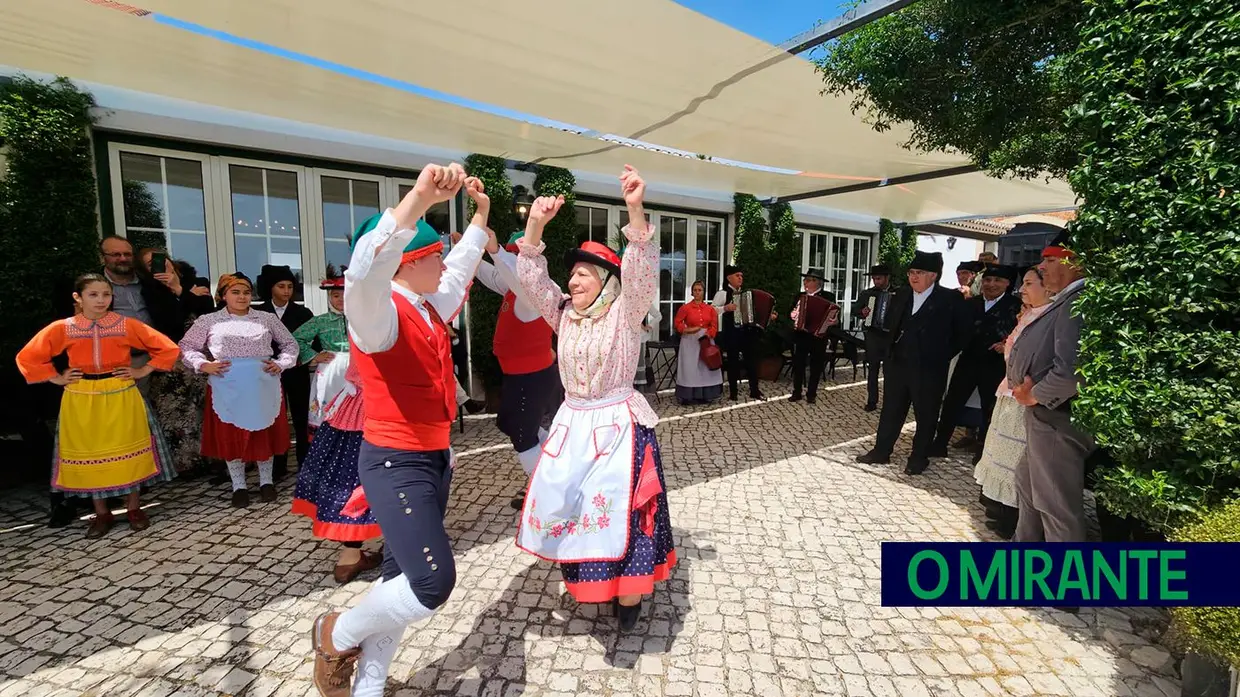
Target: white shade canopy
631,69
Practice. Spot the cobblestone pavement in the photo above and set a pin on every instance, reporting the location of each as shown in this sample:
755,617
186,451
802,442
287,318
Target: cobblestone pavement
777,591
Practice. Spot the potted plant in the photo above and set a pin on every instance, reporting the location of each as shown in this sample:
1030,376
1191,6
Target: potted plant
1211,635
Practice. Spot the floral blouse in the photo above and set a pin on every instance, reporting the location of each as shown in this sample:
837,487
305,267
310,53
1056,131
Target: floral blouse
222,335
598,356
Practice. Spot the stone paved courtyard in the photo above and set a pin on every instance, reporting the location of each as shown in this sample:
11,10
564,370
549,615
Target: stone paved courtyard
777,591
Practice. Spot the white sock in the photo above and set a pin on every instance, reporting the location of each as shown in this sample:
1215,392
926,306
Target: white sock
378,650
389,606
236,472
542,435
529,459
264,472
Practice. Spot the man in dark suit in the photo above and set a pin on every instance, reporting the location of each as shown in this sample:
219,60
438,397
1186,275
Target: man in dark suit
928,327
276,285
981,365
739,342
872,306
807,348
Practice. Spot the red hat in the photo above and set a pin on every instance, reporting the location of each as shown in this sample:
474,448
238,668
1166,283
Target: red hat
1058,249
594,253
334,280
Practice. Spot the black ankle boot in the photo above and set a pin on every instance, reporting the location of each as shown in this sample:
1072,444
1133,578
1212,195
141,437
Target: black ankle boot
628,615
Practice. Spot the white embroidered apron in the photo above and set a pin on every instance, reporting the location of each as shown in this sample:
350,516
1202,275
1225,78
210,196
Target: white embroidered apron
246,396
326,385
580,495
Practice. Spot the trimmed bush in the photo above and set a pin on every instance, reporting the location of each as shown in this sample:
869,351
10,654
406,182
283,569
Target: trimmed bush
1212,631
770,258
47,203
560,235
1159,240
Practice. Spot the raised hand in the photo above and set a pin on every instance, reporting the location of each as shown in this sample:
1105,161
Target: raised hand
544,209
633,187
437,183
476,190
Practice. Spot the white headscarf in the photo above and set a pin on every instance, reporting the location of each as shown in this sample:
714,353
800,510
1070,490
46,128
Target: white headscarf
611,291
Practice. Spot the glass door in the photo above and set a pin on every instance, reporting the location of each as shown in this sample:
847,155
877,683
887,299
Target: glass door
673,271
347,201
265,206
708,256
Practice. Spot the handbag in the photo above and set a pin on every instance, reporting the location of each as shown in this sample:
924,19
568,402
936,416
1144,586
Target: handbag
710,354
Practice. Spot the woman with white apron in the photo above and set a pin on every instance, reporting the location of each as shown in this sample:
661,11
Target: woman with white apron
244,419
596,502
329,477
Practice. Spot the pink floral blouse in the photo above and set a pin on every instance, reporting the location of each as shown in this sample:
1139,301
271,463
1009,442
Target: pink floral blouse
222,335
598,356
1031,314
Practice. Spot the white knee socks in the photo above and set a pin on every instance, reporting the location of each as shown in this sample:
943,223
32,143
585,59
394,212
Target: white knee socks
529,458
387,608
378,650
264,472
236,472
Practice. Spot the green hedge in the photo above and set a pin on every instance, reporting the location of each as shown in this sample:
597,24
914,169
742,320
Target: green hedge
1160,242
896,246
1212,631
483,304
48,224
560,235
769,256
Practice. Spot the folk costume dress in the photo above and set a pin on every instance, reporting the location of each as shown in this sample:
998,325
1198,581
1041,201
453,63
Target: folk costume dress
328,478
695,383
245,419
522,344
597,503
108,442
1005,440
403,356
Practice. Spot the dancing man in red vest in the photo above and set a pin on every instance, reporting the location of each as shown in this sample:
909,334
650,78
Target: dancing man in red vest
400,293
531,389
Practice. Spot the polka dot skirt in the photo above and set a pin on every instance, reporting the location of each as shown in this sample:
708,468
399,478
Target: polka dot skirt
325,483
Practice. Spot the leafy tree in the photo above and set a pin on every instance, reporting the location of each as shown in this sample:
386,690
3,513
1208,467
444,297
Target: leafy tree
982,77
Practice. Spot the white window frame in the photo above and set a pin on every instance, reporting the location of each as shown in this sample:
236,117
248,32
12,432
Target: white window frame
844,296
316,300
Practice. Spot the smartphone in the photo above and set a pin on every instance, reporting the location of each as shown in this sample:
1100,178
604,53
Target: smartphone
159,263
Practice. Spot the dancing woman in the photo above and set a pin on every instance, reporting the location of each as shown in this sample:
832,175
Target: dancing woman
601,460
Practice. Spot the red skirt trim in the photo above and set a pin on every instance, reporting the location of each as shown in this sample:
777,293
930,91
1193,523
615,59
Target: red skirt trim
605,591
224,441
337,532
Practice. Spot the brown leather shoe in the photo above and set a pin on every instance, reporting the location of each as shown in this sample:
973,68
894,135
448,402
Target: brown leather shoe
347,572
333,670
138,520
99,526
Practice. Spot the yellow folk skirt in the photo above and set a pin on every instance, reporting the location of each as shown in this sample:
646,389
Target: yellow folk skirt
107,441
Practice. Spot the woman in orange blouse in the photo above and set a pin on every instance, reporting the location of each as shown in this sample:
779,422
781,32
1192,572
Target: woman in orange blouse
695,383
107,440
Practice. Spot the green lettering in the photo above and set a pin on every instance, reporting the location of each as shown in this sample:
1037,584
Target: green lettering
1072,576
970,578
1166,575
1102,567
944,576
1144,557
1037,576
1015,577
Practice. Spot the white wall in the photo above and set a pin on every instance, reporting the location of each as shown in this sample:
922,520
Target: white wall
964,249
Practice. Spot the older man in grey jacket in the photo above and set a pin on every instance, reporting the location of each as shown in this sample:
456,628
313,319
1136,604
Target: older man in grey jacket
1050,477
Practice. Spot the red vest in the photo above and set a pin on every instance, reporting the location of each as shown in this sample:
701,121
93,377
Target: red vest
410,389
521,347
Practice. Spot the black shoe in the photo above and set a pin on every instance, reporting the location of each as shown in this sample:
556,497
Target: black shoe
473,406
916,465
873,458
810,399
517,502
966,442
240,498
796,397
757,395
1002,528
628,615
267,493
871,407
733,397
977,457
937,451
62,515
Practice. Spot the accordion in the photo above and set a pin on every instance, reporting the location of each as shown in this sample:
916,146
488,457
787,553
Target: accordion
754,307
816,315
878,310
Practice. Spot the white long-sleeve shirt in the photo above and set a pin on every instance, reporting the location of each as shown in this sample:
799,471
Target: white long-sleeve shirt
368,284
502,278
